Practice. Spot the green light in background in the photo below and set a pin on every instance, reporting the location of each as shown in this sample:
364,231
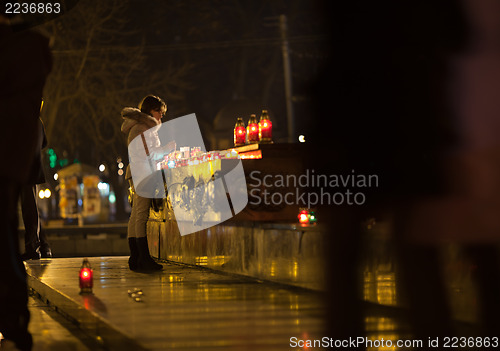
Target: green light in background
52,158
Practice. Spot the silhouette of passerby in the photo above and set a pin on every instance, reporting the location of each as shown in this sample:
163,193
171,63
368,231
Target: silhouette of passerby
468,214
25,62
35,240
381,109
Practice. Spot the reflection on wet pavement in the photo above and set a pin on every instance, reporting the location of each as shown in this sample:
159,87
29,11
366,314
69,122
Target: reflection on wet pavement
383,329
188,308
380,287
380,282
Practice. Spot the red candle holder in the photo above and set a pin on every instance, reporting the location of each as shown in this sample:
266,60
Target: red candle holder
239,132
253,130
303,217
86,278
265,128
307,217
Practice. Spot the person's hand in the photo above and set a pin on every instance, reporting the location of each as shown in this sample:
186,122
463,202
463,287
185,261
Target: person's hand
162,151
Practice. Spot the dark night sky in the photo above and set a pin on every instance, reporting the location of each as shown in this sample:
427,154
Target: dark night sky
232,49
214,35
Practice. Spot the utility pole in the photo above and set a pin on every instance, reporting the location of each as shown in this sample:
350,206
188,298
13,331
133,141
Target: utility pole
287,71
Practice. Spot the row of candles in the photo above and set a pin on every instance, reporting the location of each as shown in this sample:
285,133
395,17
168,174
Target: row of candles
195,156
254,132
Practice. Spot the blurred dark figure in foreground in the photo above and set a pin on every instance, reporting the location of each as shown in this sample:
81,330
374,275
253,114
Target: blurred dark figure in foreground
25,62
35,241
386,93
469,213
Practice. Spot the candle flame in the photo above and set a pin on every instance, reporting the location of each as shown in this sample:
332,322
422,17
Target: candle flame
303,218
85,273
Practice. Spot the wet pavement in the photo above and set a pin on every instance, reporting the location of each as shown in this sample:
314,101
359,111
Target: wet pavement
191,308
181,308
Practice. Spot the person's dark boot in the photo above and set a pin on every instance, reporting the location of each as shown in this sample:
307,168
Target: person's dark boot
45,251
145,262
134,254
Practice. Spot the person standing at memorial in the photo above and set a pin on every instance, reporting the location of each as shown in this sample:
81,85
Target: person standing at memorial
136,122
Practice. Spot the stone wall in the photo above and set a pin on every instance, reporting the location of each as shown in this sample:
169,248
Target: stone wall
282,253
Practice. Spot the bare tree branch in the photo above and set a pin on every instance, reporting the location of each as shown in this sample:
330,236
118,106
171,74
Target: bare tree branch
89,86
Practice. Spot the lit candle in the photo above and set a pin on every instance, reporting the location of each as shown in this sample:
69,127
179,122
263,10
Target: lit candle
86,278
265,127
239,132
253,130
303,217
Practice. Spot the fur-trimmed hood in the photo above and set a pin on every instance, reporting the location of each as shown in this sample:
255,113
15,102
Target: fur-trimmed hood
133,116
134,123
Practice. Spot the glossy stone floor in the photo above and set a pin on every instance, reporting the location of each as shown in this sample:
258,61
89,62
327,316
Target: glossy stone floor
189,308
181,308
